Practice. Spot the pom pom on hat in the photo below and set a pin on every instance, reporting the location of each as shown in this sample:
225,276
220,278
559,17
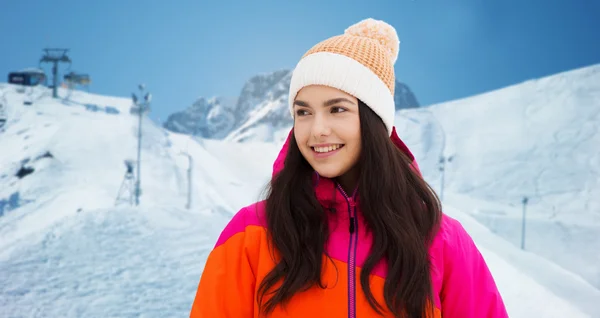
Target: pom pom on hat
379,31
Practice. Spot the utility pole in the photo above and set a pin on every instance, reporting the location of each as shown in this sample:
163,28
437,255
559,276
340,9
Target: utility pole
141,108
442,168
189,176
524,201
55,56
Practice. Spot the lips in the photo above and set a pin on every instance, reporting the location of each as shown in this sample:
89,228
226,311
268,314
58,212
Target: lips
325,150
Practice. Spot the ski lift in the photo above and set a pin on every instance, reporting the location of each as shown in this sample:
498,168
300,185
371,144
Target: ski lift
55,56
28,77
49,58
73,79
77,78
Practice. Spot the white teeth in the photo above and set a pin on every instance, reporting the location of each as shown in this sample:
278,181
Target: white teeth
327,149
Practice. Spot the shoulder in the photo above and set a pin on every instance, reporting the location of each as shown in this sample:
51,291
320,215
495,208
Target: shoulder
451,233
452,244
247,220
452,248
462,280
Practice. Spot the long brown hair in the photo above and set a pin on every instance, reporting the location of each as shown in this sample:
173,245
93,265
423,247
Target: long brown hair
400,209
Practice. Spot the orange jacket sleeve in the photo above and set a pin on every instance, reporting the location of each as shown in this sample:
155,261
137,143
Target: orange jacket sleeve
227,284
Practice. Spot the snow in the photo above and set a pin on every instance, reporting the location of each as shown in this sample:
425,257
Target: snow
519,274
120,262
249,128
538,139
572,244
66,250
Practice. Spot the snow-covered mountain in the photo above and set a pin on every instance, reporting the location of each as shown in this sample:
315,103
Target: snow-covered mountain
539,139
69,156
213,118
68,249
259,113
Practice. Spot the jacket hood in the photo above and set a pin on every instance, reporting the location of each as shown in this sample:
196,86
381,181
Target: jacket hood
279,162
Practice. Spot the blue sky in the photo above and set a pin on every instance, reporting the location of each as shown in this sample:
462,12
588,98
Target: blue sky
186,49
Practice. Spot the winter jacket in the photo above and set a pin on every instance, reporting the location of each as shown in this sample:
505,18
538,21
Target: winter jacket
463,285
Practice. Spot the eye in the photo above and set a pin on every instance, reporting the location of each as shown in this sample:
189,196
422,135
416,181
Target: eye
301,112
337,109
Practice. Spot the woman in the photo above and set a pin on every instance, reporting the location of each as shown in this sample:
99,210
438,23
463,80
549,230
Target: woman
349,227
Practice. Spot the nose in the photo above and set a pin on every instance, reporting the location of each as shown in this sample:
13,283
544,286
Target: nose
320,126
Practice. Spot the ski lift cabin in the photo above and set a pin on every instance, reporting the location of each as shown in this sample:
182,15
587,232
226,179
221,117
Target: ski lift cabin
77,78
28,77
72,79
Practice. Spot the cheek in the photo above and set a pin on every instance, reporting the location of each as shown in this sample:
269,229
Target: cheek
302,141
354,148
353,154
351,136
300,134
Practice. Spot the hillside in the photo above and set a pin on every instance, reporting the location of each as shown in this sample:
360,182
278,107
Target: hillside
538,139
68,250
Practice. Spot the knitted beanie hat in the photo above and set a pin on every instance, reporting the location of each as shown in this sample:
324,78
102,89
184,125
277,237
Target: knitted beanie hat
359,62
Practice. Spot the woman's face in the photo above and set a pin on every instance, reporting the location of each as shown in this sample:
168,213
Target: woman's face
327,129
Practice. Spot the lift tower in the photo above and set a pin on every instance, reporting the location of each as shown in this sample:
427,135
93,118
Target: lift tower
55,56
140,108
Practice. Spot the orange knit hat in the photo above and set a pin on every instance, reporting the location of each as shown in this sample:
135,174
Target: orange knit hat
359,62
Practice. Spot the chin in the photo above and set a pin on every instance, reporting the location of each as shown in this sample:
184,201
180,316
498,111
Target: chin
328,174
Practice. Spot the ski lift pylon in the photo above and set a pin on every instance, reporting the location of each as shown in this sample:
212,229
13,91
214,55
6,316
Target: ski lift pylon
55,56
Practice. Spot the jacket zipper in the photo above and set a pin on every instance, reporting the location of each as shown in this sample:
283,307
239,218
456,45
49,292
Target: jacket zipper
352,246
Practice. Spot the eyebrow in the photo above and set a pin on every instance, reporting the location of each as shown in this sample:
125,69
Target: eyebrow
327,103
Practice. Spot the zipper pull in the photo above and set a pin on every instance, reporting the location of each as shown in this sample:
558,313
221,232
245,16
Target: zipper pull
351,201
351,225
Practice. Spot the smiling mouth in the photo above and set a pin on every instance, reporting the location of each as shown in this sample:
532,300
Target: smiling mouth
327,149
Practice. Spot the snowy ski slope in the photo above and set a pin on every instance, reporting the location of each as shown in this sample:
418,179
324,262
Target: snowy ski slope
67,251
538,139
